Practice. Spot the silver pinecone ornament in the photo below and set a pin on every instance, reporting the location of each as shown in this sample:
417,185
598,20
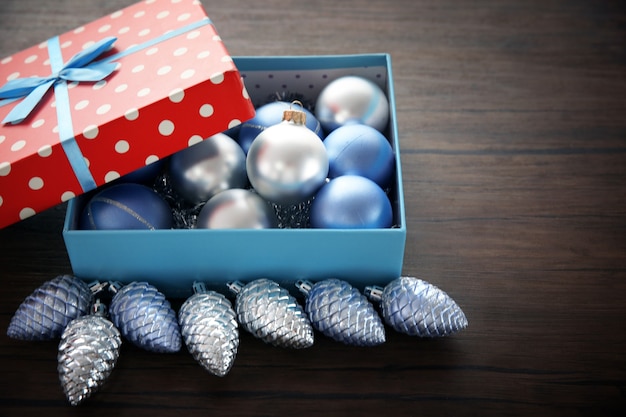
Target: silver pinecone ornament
208,325
88,351
341,312
271,314
145,317
417,308
44,313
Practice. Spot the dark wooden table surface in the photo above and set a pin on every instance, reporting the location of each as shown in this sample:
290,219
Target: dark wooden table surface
512,120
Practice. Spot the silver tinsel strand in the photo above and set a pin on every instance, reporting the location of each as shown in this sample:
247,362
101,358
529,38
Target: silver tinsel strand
417,308
87,354
209,328
341,312
145,318
47,311
270,313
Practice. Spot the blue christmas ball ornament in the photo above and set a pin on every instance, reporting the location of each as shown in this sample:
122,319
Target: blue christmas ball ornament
269,115
351,202
126,206
360,150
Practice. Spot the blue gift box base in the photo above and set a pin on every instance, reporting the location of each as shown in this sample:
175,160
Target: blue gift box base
173,259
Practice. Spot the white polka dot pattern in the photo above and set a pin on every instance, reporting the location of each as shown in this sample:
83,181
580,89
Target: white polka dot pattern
118,122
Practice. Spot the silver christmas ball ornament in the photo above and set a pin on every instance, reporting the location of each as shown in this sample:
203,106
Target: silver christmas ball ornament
145,317
236,209
270,313
417,308
352,99
287,163
209,328
88,351
46,311
202,170
341,312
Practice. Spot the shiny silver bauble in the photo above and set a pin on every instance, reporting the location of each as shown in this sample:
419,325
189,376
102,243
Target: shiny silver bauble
287,163
349,100
208,167
236,209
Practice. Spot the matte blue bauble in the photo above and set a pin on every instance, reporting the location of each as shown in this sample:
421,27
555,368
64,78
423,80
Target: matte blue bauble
126,206
360,150
269,115
351,202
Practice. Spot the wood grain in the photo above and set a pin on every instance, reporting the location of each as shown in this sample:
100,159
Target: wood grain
512,119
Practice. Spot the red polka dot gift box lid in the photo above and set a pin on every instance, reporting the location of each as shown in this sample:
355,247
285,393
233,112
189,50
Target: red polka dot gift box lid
88,106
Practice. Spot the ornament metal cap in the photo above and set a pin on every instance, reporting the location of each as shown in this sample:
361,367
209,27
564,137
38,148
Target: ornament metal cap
374,293
99,309
298,117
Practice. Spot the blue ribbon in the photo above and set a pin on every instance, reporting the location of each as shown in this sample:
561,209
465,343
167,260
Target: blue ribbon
80,68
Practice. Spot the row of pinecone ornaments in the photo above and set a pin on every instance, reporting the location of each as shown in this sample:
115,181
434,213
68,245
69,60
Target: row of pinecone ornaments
69,308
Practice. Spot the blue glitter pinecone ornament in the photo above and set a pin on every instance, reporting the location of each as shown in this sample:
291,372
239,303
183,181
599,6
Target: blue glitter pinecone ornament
145,317
208,325
341,312
270,313
417,308
88,351
44,313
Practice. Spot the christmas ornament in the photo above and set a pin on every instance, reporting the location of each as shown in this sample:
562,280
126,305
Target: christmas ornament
87,354
360,150
209,328
271,314
418,308
44,314
145,317
268,115
208,167
352,99
342,313
287,162
236,209
351,202
126,206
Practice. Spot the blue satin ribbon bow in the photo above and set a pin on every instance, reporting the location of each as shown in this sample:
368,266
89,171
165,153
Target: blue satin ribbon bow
79,68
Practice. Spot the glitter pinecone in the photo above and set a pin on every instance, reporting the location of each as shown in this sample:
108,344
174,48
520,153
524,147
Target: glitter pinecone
417,308
271,314
208,326
87,354
47,311
341,312
145,317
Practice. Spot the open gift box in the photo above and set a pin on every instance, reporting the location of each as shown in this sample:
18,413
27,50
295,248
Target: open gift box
173,259
107,98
